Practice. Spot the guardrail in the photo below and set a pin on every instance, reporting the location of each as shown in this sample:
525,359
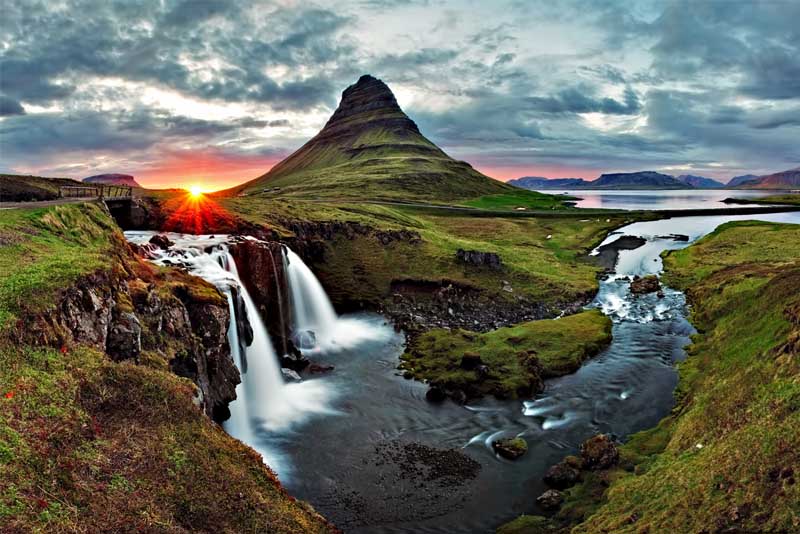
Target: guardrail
103,192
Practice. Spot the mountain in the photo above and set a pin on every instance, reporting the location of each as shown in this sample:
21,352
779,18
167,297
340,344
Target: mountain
637,180
539,182
780,180
112,179
739,180
369,148
700,182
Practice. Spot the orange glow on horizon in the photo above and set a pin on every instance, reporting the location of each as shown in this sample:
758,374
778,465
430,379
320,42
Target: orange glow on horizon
197,214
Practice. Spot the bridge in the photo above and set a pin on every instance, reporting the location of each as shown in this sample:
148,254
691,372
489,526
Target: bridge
101,191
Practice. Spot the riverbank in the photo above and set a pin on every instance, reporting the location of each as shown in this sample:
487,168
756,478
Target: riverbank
725,459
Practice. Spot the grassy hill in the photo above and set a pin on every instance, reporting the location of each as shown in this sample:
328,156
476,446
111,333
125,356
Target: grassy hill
19,188
371,149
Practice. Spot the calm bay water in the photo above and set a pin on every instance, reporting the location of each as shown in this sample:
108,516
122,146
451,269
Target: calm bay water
680,199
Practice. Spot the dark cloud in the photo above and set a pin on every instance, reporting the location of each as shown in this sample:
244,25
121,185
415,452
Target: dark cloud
9,106
575,100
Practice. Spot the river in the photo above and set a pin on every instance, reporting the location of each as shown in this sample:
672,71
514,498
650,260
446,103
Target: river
348,458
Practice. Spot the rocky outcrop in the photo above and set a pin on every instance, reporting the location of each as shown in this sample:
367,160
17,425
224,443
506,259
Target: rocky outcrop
510,448
475,258
646,284
599,452
127,317
564,474
112,179
550,500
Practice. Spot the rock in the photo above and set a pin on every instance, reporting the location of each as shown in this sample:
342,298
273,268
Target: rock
290,375
479,259
306,339
482,372
510,448
550,500
564,474
161,241
435,394
470,361
458,396
660,294
243,327
317,369
295,361
648,284
599,452
124,339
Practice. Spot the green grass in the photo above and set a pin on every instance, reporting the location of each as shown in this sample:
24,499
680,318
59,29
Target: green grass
359,268
43,250
88,445
792,199
517,357
19,188
726,458
518,200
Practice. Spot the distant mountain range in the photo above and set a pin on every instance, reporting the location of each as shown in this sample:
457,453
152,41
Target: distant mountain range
112,179
655,180
700,182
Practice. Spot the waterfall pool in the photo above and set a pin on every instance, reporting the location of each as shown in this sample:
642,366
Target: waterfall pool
366,451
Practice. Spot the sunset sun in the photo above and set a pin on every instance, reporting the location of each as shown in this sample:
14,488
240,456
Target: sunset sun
195,191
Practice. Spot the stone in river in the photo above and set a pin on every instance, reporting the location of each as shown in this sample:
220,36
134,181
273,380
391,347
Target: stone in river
510,448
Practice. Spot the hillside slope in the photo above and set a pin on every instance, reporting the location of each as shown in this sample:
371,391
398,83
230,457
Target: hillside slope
19,188
780,180
371,149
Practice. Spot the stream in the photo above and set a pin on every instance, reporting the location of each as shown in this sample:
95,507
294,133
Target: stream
351,442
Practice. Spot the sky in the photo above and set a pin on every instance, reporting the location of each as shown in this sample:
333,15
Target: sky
179,92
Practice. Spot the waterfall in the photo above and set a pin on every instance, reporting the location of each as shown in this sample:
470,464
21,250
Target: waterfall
313,316
265,404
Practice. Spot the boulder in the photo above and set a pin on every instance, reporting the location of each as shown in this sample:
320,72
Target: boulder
124,339
510,448
599,452
550,500
317,368
290,375
470,361
161,241
564,474
435,393
479,259
482,372
647,284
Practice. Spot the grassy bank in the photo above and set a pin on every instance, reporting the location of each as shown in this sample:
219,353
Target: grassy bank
726,459
516,357
543,259
91,445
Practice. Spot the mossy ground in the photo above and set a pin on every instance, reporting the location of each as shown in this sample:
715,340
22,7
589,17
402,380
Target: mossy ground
726,459
92,446
46,249
558,345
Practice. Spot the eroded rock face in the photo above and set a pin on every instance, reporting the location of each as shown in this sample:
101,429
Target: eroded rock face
599,452
152,319
647,284
124,338
550,500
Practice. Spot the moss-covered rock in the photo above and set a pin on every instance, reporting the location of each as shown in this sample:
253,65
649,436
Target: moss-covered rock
510,448
508,362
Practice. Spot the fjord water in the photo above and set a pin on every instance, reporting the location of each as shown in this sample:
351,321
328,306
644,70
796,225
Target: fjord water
332,457
680,199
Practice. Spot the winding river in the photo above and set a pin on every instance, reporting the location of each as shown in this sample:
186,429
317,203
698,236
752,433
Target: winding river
350,459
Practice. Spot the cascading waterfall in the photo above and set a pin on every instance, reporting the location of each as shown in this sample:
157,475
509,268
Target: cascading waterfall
315,325
314,319
265,404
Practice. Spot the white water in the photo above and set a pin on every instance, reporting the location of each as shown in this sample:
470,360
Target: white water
264,403
312,311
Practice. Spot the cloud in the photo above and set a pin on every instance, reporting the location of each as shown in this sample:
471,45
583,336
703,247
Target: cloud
9,106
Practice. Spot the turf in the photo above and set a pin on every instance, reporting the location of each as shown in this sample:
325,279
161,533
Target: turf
516,356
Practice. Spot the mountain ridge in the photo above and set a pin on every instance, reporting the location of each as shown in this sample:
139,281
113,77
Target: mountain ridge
369,148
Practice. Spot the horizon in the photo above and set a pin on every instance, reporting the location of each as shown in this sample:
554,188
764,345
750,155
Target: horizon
193,92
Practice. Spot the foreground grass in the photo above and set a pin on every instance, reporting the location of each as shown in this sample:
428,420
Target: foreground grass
727,459
46,249
88,445
544,258
516,357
